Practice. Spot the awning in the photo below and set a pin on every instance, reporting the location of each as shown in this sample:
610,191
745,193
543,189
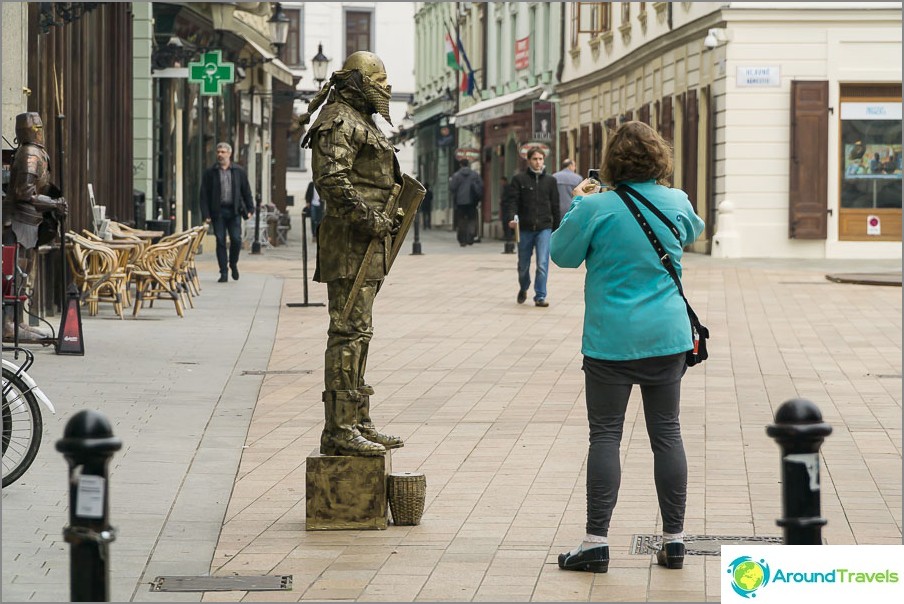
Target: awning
491,109
274,67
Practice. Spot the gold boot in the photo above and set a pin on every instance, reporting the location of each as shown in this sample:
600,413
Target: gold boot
366,426
340,436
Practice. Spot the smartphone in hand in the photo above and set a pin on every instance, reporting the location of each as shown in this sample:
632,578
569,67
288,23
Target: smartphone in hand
595,175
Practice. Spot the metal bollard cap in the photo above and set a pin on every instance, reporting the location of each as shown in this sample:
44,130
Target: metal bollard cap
798,418
88,432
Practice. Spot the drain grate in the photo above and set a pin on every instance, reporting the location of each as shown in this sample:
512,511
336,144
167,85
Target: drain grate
278,372
697,545
230,583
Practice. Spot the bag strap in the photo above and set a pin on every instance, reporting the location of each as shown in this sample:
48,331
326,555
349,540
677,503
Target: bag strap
664,257
656,211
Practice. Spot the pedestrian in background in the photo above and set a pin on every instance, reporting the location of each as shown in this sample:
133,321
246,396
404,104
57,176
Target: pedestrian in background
314,206
567,179
426,208
466,188
225,200
636,331
534,198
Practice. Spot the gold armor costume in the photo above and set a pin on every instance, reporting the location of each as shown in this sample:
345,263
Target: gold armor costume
355,170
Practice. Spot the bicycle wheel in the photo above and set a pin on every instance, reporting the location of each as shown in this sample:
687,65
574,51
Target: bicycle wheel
22,427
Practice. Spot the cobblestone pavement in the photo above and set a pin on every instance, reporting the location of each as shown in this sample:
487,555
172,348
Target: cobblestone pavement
489,397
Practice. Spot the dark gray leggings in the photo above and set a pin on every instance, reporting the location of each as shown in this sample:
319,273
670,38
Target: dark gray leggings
606,405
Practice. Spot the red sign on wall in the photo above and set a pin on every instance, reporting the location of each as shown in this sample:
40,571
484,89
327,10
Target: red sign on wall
522,53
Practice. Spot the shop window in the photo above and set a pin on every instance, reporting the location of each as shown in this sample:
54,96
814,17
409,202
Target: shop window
869,162
871,154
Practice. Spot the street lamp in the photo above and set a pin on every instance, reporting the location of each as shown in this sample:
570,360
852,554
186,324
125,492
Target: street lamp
319,64
279,27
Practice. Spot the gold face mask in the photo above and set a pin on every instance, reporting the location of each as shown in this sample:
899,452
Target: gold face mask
378,94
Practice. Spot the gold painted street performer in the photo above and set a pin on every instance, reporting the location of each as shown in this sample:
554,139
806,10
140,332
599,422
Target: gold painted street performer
370,205
32,206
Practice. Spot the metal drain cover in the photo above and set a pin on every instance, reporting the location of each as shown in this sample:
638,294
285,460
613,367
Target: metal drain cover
228,583
277,372
697,545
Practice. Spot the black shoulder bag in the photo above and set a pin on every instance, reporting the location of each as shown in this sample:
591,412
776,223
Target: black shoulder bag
699,332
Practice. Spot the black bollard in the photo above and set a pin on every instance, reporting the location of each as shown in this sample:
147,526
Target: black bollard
256,244
304,263
88,445
416,246
799,431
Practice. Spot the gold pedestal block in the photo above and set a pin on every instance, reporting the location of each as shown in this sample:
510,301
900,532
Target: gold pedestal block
346,492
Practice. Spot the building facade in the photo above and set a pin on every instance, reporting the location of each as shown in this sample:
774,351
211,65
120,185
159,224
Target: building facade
512,51
774,111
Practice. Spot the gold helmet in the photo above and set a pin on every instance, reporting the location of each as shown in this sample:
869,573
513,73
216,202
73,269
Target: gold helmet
367,63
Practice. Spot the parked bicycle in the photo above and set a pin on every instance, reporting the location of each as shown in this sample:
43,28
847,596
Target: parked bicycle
23,425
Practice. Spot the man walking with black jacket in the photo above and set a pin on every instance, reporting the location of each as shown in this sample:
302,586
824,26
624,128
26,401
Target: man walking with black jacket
225,200
466,188
534,198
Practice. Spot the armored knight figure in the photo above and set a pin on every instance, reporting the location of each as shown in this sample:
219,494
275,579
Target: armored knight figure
358,176
31,206
30,200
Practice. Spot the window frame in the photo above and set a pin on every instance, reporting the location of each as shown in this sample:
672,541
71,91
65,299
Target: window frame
371,34
599,18
298,11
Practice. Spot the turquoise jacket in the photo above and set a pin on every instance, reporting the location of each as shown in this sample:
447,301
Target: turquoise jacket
632,307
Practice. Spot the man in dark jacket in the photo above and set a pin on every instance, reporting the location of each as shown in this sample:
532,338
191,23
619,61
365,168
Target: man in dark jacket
466,188
534,199
225,200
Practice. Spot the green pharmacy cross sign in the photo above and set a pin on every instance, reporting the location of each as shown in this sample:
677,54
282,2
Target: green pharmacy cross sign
211,73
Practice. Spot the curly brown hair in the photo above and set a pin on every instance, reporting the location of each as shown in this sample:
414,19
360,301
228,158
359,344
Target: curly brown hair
636,152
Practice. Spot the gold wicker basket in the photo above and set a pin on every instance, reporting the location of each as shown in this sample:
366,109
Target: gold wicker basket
407,492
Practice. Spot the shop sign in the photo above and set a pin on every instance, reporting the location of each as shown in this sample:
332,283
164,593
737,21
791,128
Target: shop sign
541,118
211,72
870,111
873,225
764,76
468,153
522,53
522,151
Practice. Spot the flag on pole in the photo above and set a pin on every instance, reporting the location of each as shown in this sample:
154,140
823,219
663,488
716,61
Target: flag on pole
452,53
467,79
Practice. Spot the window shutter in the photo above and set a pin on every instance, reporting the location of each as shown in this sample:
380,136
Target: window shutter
563,145
584,152
689,163
808,190
597,158
643,114
665,119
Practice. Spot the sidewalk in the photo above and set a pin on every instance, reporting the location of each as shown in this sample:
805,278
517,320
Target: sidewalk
489,397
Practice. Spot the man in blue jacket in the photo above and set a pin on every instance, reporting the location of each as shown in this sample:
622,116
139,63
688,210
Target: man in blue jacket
225,200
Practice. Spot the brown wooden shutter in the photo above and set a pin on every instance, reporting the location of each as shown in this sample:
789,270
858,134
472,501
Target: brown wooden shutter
808,190
665,119
563,145
597,158
643,114
689,155
627,116
611,124
584,151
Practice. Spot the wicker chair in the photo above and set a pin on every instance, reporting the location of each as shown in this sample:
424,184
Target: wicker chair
161,274
97,272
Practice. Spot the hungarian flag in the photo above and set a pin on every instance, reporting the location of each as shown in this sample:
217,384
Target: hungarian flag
452,53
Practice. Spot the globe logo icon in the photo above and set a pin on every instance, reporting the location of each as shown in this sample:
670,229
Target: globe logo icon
748,575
